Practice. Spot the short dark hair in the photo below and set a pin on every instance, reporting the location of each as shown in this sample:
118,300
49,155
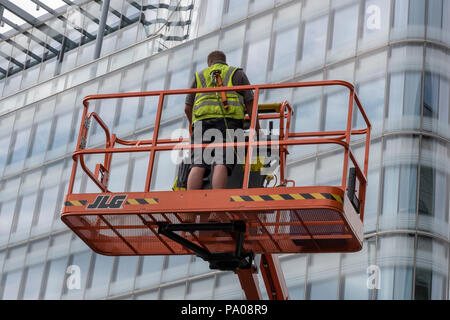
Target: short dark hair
216,56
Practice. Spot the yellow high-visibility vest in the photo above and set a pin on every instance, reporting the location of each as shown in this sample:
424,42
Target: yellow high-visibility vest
209,105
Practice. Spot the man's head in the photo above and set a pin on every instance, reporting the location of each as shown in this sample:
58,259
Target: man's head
216,56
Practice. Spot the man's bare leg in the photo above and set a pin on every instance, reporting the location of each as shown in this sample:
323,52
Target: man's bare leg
219,179
195,179
195,182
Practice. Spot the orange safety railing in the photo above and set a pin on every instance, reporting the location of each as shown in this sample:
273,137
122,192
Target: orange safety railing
286,138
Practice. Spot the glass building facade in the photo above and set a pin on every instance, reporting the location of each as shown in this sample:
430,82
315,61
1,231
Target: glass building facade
395,52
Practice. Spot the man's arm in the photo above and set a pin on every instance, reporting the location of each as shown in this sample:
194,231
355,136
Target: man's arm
188,112
189,102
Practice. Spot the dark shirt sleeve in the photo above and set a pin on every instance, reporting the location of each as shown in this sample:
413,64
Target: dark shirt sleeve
240,79
190,98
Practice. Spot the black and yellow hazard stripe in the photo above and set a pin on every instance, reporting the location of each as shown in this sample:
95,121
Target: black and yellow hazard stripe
142,201
76,203
287,196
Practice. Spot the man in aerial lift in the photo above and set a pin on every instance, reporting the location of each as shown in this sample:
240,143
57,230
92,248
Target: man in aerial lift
213,111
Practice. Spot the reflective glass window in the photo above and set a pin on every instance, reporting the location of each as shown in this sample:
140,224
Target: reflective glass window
86,53
40,133
433,190
69,61
56,266
234,10
343,42
6,126
12,272
124,275
371,95
284,44
198,266
306,103
337,98
2,258
323,277
105,108
405,87
124,57
200,289
118,177
436,92
26,206
109,42
209,16
259,5
101,276
30,76
149,273
409,19
431,95
80,258
228,287
179,77
10,285
395,258
6,219
294,270
202,48
128,107
60,132
370,75
154,79
335,117
375,26
12,83
371,206
176,268
48,69
430,281
34,269
399,183
257,45
175,292
48,199
138,166
314,44
404,100
152,295
354,275
8,199
164,176
19,141
438,21
303,173
71,98
231,43
329,169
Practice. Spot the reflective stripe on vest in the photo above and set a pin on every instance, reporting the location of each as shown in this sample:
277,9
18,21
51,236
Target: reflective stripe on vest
217,103
238,103
209,105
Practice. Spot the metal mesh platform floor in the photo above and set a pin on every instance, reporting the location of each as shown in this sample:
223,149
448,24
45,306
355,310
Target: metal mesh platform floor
278,220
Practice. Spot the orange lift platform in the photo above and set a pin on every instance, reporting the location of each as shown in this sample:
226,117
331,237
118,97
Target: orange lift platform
252,223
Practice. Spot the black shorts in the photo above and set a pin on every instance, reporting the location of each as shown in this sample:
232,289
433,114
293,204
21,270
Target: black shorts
208,158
